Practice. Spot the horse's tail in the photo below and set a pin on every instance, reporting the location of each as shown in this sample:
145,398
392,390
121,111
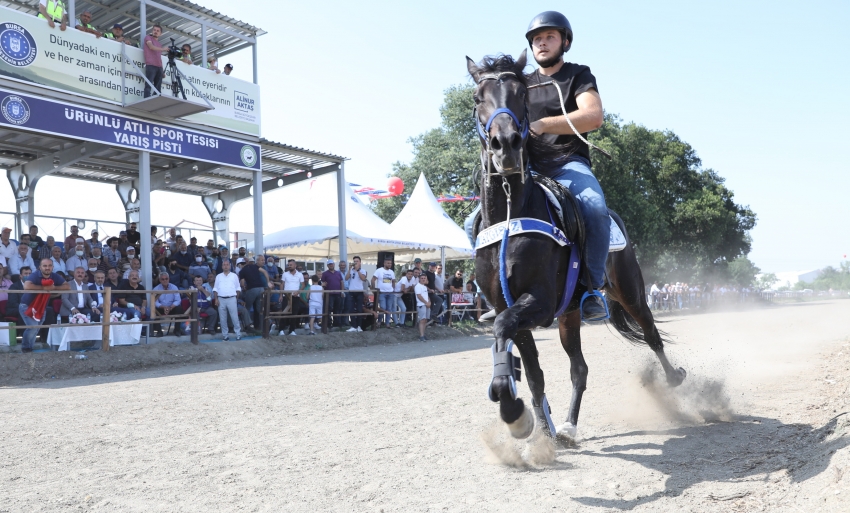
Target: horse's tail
629,328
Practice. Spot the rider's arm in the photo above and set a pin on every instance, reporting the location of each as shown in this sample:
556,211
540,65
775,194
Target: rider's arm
587,117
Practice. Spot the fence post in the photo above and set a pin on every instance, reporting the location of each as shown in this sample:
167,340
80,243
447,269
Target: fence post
325,316
104,317
267,323
194,327
375,304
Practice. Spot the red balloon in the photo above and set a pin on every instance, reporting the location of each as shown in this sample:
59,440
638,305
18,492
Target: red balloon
395,185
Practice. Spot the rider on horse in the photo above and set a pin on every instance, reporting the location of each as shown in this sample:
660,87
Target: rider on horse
550,36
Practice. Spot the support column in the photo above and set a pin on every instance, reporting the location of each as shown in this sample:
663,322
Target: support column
220,217
145,219
143,21
129,193
203,45
72,12
254,52
341,198
259,249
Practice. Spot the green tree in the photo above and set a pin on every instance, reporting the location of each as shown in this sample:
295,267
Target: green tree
767,280
743,272
683,220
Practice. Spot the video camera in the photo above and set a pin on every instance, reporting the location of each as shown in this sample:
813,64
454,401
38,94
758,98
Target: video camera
174,52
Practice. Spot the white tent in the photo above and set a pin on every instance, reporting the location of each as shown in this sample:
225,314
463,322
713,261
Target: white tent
425,220
313,231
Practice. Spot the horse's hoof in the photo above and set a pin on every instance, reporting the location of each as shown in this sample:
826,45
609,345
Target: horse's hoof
677,380
523,426
567,431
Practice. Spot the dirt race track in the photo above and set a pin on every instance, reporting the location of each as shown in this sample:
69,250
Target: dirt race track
759,425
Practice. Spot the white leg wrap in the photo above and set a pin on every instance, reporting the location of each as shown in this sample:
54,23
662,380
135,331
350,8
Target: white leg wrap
567,430
523,426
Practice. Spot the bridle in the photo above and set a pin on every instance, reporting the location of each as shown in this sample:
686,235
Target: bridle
484,129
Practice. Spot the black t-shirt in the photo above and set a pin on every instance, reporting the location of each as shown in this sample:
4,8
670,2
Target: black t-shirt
543,102
134,237
432,280
456,282
251,274
129,293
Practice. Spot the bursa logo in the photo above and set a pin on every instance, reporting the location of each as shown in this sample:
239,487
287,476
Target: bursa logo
17,46
15,110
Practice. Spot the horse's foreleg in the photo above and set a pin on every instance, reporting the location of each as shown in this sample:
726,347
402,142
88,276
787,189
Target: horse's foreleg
511,323
534,375
569,326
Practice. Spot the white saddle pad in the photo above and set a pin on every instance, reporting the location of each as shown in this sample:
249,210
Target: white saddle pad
618,240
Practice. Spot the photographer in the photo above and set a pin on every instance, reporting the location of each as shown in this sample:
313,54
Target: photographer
153,60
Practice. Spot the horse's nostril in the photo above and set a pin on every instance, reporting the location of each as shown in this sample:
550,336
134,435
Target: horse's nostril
495,143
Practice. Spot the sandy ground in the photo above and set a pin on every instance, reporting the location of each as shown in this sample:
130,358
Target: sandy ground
760,425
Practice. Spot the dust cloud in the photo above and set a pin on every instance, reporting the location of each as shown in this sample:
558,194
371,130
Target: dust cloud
697,400
538,450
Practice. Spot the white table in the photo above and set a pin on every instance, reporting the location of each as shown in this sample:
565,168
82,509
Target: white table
119,335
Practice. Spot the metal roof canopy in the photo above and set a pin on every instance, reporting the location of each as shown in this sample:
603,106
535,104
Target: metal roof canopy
188,23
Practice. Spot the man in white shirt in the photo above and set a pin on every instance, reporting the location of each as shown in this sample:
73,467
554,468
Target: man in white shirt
423,304
58,263
292,281
384,279
356,279
19,259
225,290
78,258
8,247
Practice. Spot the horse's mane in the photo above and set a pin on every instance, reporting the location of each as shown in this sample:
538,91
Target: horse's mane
496,64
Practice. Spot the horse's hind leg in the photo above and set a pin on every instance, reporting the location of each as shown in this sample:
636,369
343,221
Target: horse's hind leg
569,326
628,291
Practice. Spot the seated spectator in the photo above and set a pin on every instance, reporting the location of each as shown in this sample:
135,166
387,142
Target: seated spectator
193,248
177,276
224,254
96,290
112,280
25,241
84,24
135,265
456,283
93,267
34,238
160,259
187,54
209,248
54,12
111,253
46,249
133,236
272,270
240,263
5,282
78,256
58,263
131,301
171,240
212,64
124,264
168,304
200,268
210,283
182,257
93,241
20,259
8,247
15,299
97,254
123,245
206,323
228,69
79,303
71,241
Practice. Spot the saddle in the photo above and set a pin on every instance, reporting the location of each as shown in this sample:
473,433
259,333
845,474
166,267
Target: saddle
566,214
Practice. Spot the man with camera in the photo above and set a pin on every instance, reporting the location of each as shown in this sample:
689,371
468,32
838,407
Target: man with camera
153,60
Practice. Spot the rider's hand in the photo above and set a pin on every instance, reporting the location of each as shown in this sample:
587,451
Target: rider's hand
536,127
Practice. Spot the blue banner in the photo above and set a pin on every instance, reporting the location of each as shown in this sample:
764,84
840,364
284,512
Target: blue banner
57,118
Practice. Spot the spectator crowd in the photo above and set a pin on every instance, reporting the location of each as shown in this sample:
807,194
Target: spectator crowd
231,287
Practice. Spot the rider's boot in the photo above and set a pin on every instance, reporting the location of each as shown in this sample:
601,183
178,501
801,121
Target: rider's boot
593,309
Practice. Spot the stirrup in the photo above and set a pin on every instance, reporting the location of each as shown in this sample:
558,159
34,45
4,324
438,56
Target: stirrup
604,304
505,364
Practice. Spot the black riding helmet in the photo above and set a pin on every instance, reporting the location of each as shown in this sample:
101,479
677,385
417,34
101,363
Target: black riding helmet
550,20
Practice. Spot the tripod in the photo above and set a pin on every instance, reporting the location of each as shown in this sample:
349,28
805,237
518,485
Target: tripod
176,83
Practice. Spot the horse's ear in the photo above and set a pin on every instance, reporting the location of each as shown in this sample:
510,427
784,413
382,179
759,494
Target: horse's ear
522,61
472,68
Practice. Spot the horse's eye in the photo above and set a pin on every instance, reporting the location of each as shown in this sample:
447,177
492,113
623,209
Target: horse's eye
476,99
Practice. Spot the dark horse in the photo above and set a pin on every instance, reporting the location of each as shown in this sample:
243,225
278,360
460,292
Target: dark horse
536,265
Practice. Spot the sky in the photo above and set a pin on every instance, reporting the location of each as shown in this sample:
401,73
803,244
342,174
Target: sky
758,88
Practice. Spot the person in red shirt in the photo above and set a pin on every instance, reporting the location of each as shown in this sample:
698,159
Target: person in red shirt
153,60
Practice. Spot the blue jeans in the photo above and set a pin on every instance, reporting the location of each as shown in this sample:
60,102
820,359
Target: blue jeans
578,178
28,338
387,302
